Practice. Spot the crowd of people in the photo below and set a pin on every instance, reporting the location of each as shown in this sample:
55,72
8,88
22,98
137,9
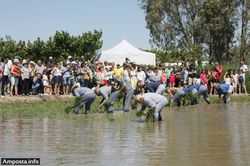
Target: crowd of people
23,77
146,84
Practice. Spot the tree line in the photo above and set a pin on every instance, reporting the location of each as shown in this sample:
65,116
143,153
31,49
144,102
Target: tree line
216,30
61,45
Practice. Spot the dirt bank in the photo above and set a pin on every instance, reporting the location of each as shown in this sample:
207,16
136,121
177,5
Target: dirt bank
31,99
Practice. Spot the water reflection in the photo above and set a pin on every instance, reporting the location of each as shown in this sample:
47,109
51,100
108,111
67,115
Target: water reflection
200,135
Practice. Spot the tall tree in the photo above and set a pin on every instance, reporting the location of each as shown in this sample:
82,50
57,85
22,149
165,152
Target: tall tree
219,22
245,27
192,24
173,23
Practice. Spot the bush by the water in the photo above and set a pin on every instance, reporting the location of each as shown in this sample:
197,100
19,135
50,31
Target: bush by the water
248,83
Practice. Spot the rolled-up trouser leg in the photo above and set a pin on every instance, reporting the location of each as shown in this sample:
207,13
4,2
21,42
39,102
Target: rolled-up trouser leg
177,97
225,97
194,99
128,99
79,106
113,97
203,91
89,99
159,107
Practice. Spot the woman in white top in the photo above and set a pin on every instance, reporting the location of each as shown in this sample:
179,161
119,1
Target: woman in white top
227,78
235,81
57,78
133,75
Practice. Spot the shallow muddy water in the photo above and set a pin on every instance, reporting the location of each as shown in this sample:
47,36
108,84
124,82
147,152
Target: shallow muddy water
207,135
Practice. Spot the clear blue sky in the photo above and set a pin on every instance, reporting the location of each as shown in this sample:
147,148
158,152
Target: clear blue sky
118,19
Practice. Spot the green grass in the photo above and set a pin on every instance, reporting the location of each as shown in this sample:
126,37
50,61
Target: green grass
57,108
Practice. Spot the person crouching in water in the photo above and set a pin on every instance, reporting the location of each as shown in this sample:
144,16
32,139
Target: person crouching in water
86,98
196,89
154,101
105,92
225,90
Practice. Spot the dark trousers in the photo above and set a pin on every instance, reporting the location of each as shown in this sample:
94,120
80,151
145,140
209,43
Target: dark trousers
5,81
26,86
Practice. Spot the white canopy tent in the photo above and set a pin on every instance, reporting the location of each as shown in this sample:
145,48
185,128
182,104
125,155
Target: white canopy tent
124,50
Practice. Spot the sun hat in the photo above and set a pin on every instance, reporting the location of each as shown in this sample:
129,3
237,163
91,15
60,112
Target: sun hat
16,60
24,61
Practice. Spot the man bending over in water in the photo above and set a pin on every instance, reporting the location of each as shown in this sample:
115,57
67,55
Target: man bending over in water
87,97
154,101
225,90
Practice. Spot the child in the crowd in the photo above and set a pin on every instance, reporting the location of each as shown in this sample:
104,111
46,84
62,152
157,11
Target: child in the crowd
37,85
227,78
235,81
57,78
46,85
172,80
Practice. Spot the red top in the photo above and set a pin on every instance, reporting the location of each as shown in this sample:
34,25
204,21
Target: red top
15,70
172,78
163,78
219,70
203,77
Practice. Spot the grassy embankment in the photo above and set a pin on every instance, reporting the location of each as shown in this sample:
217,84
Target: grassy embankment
54,107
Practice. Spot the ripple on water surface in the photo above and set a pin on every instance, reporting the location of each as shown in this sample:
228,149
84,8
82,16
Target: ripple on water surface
190,136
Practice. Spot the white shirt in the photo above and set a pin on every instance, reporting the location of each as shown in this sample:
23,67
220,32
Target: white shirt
141,76
244,69
227,81
57,72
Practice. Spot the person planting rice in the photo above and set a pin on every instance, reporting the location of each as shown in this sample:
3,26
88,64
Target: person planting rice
192,91
104,92
86,98
225,90
177,94
154,101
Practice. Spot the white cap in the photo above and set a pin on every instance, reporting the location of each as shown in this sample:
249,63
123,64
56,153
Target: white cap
32,62
16,60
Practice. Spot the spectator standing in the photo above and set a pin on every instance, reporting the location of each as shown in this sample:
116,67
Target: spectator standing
235,81
243,71
203,78
172,80
6,77
15,77
40,67
25,78
1,76
57,78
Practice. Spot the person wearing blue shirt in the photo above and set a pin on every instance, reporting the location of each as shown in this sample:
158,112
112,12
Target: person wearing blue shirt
225,90
199,89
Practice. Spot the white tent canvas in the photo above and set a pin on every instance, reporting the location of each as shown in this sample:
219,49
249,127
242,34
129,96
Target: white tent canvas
124,50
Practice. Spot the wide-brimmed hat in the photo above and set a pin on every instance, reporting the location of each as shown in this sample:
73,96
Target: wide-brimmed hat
25,62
